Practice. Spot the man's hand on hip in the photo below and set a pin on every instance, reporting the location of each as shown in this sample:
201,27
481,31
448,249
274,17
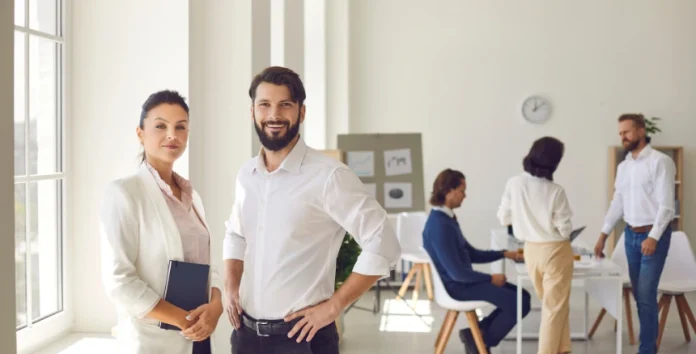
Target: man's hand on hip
234,309
313,319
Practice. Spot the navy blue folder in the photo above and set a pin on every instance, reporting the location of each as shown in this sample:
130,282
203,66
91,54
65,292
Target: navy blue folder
186,287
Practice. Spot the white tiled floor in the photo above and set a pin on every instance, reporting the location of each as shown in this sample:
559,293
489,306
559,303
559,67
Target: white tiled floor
397,329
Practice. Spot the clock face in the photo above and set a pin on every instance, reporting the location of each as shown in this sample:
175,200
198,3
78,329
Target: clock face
536,109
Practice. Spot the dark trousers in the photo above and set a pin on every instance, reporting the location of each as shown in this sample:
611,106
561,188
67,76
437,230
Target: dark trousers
246,341
202,347
645,272
499,323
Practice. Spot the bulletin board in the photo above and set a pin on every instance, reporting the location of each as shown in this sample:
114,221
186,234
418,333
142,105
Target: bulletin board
390,166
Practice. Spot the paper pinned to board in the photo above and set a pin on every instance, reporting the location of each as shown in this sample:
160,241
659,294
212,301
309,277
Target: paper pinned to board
362,163
398,162
398,195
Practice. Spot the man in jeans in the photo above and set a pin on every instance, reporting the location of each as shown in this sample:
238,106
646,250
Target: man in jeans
644,196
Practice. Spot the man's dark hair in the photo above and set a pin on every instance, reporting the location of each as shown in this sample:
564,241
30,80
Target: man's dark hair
158,98
637,119
280,76
446,181
543,158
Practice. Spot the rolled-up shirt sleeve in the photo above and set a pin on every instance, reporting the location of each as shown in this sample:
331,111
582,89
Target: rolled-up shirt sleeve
234,245
348,202
664,193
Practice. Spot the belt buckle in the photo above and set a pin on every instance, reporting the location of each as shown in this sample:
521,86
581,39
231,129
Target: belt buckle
258,331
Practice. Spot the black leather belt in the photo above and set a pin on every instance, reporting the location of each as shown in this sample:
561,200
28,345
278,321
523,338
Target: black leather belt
265,328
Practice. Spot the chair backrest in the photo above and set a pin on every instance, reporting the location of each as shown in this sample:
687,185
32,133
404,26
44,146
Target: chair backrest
680,263
409,231
441,296
619,254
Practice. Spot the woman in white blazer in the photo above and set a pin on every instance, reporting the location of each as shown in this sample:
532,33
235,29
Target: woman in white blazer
148,219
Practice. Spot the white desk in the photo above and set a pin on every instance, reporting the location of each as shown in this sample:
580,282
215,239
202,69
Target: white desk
601,279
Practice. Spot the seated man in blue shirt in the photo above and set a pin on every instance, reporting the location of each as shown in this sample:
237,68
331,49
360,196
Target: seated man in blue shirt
452,256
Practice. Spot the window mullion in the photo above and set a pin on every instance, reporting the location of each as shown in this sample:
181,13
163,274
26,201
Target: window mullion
27,209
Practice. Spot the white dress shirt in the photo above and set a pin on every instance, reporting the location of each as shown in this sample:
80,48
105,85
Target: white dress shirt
643,192
537,209
288,225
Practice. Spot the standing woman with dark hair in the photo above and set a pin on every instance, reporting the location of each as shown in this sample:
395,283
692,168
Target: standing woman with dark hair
539,212
148,219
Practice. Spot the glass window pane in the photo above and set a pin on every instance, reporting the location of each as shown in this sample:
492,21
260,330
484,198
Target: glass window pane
44,235
43,106
44,15
20,254
19,12
19,104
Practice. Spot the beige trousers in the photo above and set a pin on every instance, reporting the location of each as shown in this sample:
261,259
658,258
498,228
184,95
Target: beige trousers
550,267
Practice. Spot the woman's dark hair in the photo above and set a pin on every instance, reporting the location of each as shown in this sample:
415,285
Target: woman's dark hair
446,181
544,157
156,99
279,75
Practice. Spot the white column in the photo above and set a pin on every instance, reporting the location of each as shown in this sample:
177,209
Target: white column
260,29
337,70
315,72
7,246
226,50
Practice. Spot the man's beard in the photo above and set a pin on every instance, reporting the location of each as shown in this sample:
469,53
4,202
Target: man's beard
632,145
277,142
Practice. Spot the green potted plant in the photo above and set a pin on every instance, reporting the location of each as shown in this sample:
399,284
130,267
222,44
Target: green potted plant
651,127
347,256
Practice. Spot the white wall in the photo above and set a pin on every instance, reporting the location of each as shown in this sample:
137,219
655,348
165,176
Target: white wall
121,52
7,230
459,71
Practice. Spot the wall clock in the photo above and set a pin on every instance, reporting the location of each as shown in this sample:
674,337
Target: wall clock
536,109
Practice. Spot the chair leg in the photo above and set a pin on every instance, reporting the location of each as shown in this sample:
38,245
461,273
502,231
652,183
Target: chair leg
419,276
476,332
663,318
682,317
446,330
428,281
596,323
687,311
407,281
629,316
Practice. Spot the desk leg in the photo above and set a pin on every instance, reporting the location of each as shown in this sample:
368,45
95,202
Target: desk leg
587,314
519,314
619,320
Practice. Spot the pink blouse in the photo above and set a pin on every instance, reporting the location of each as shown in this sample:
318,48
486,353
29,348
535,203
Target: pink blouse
195,238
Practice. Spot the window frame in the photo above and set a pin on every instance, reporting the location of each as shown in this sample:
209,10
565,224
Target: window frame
46,329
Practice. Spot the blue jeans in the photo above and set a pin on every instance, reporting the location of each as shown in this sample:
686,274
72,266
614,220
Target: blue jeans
645,272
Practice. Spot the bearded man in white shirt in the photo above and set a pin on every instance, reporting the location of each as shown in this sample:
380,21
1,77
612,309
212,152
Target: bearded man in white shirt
644,197
292,208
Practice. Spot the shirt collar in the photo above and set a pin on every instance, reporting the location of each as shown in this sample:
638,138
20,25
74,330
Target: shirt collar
445,209
291,163
183,183
643,153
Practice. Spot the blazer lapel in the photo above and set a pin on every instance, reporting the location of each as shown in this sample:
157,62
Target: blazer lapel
172,238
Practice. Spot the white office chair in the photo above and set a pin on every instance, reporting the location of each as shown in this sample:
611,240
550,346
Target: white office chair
454,307
678,277
409,230
619,257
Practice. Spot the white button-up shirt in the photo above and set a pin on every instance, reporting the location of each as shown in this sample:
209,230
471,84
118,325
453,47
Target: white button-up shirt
288,225
537,209
644,192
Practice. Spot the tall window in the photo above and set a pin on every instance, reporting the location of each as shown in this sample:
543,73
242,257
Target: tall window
38,167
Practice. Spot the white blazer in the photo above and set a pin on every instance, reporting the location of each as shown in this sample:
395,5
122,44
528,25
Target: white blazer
138,239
